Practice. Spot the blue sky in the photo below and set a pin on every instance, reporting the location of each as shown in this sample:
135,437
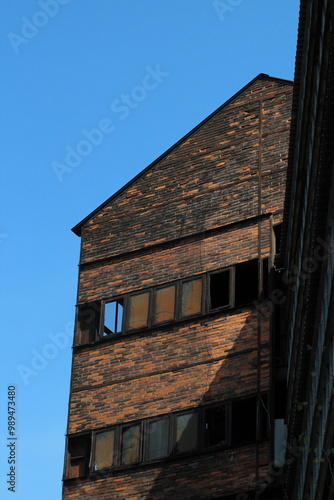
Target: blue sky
91,93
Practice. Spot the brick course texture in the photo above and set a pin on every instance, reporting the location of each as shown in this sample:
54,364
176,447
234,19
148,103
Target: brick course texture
210,202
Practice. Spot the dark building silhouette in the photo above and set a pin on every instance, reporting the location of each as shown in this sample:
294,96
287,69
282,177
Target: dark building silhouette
308,251
174,378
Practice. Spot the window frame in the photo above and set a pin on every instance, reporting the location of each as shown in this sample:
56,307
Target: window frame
231,292
262,427
202,278
118,299
99,306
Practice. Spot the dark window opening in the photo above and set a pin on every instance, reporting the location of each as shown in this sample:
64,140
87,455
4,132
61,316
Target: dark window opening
246,282
191,297
113,317
265,277
79,453
278,234
104,449
215,426
220,289
158,432
243,421
186,432
138,310
88,321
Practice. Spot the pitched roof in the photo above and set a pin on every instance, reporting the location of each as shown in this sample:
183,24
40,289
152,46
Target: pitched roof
77,228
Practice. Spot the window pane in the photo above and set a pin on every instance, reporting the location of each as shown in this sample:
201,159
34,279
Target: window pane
158,439
243,421
186,432
246,282
138,313
104,449
191,297
113,315
220,289
165,304
215,426
88,322
130,444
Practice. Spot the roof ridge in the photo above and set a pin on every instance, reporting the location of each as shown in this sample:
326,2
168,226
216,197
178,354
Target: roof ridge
77,228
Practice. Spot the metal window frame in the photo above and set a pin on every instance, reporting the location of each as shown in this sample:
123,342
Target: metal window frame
117,299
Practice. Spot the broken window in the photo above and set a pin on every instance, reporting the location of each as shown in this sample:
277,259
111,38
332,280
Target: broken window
246,282
243,421
88,321
113,317
78,453
191,297
164,304
138,310
186,432
130,448
215,426
104,449
158,438
220,289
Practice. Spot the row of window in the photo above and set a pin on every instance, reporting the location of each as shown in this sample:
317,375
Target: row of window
225,288
231,423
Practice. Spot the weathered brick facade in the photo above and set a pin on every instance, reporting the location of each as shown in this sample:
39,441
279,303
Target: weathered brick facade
207,204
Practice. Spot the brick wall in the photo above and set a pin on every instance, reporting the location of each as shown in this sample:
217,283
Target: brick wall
207,204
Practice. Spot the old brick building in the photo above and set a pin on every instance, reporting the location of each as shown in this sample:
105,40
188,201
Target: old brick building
176,354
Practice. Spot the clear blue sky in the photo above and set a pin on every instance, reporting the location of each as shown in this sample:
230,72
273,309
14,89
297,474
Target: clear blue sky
144,73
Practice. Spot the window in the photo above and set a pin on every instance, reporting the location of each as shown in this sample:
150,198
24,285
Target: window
186,432
215,426
78,453
88,321
104,449
158,439
220,289
234,286
230,423
113,317
277,238
246,282
165,304
191,297
138,310
130,447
